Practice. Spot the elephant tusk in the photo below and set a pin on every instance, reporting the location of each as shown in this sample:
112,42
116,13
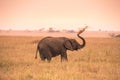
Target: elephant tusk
81,31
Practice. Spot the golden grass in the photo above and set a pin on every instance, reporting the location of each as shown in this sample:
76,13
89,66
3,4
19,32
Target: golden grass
99,60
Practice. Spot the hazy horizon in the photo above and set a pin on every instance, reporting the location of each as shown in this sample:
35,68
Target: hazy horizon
63,14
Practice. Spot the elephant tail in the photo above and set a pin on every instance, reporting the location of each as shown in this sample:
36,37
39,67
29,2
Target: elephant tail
36,52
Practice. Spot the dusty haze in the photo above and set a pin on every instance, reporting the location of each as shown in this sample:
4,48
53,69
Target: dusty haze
57,34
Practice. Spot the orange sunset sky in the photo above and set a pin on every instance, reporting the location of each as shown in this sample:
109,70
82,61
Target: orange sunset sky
60,14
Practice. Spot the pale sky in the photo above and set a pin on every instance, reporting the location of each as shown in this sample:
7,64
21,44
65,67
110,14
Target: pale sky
60,14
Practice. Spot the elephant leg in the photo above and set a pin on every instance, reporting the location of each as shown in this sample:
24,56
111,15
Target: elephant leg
49,59
64,57
46,55
49,56
42,57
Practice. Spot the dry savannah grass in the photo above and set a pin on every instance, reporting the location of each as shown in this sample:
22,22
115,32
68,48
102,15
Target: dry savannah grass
99,60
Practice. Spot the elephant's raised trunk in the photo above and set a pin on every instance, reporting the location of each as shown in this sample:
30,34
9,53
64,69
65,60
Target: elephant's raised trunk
83,40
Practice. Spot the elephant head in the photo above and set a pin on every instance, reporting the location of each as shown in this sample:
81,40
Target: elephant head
72,44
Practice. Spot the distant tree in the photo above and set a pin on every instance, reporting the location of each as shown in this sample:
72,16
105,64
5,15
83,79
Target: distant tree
27,30
9,30
52,30
41,29
100,30
57,31
111,34
71,31
114,36
117,36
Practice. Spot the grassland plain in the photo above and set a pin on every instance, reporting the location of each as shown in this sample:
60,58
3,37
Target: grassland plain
99,60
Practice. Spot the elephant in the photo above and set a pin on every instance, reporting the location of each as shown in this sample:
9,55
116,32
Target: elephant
50,47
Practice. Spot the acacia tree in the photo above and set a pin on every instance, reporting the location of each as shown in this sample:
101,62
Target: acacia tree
111,34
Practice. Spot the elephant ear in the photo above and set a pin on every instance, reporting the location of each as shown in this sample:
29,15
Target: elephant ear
68,45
